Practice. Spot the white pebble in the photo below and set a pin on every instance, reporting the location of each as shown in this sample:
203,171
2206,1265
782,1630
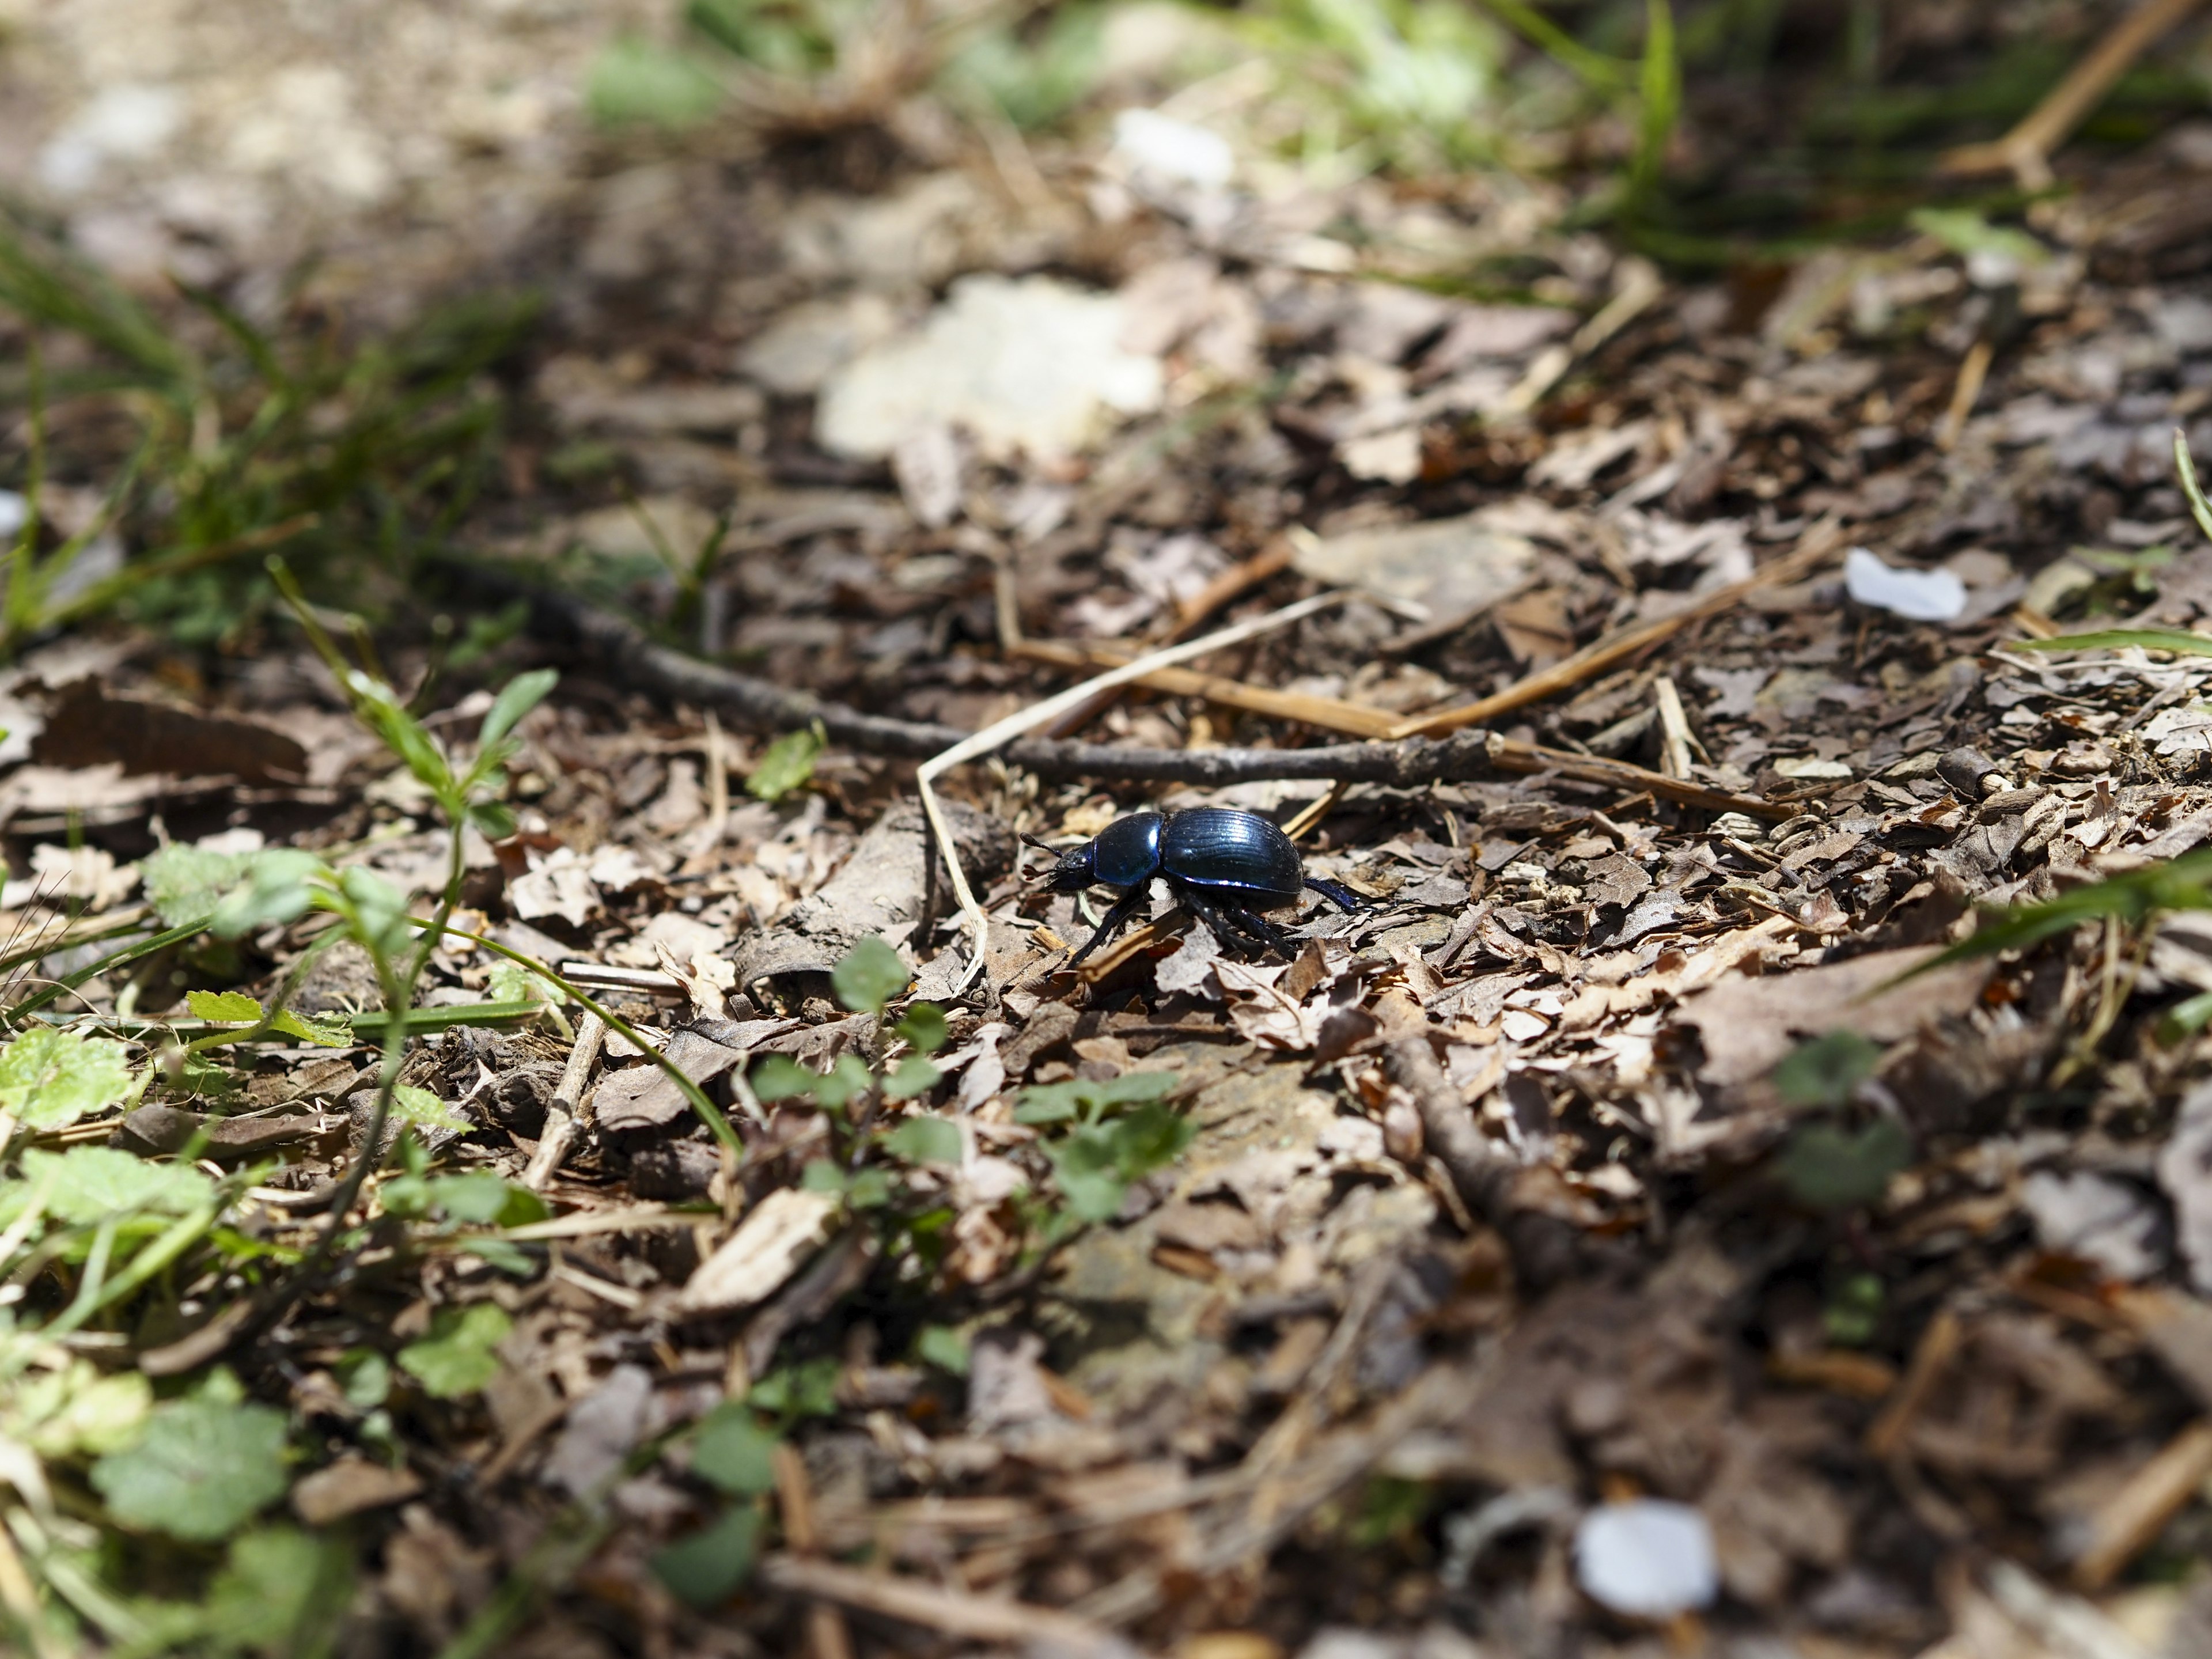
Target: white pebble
1647,1558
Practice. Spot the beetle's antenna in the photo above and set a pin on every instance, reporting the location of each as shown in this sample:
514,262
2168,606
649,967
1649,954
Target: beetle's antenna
1031,840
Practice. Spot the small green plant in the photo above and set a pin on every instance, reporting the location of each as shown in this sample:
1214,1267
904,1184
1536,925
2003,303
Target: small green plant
1827,1167
788,764
734,1454
355,456
1120,1131
1827,1070
1853,1313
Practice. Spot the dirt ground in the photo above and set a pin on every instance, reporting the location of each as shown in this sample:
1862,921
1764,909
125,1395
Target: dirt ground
1590,1245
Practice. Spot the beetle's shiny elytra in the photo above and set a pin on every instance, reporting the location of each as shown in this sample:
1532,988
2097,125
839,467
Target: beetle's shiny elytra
1223,866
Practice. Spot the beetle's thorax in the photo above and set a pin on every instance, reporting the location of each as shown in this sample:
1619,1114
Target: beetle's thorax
1127,850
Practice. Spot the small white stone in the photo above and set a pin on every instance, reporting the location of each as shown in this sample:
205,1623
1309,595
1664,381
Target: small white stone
1919,595
1647,1558
1168,149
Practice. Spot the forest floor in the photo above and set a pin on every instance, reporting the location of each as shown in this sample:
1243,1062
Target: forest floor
1595,1244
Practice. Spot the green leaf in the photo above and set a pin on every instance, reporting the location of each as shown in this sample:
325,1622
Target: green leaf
274,890
1056,1103
844,1082
380,910
1963,231
202,1469
944,1347
785,765
516,698
1149,1138
49,1078
486,1200
494,820
333,1031
925,1139
2178,641
636,81
184,884
808,1389
87,1185
915,1076
420,1107
871,1189
1829,1168
233,1007
868,975
821,1175
705,1569
74,1410
280,1593
379,709
366,1376
2184,472
1827,1070
733,1451
1083,1166
779,1077
923,1028
2177,884
1096,1162
460,1354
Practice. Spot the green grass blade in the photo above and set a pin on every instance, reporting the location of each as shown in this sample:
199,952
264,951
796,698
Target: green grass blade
2185,471
2178,641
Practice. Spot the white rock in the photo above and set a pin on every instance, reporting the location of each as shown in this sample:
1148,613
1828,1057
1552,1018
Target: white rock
1920,595
127,122
1033,365
1648,1558
15,514
1171,149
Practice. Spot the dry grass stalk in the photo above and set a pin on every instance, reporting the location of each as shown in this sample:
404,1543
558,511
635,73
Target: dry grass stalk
2132,1518
1813,550
560,1131
952,1612
2025,150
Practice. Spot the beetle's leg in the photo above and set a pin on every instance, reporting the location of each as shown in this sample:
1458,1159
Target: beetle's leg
1115,920
1227,923
1229,937
1345,898
1262,929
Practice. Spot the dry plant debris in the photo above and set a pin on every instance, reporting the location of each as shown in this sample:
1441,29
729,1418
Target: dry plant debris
1641,1229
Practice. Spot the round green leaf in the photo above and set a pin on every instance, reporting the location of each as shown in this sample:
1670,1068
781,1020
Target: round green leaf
733,1451
49,1078
202,1470
869,975
88,1184
460,1354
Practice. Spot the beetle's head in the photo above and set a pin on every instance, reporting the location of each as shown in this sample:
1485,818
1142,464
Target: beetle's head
1073,869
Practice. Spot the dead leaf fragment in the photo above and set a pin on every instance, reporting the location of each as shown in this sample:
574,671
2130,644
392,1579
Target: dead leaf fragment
787,1227
1748,1026
349,1487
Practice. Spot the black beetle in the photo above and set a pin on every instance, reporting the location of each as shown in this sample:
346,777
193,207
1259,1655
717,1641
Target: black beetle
1223,866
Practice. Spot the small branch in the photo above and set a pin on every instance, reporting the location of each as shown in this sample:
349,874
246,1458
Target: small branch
560,1131
1407,763
2027,149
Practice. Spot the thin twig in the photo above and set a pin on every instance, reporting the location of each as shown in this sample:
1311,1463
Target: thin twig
1810,553
969,1617
560,1131
2027,149
1405,764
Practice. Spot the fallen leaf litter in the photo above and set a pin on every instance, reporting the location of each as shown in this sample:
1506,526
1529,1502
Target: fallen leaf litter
1490,1193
